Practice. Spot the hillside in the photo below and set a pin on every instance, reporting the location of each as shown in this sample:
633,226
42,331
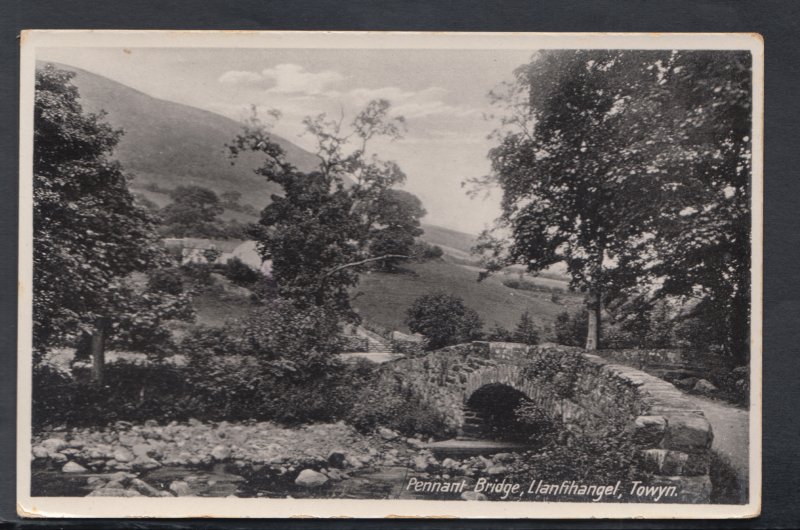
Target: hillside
383,298
170,144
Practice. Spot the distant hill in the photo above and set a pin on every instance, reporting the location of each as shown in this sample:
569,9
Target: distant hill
170,144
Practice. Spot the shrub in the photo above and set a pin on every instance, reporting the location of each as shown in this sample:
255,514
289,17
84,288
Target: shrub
571,328
526,331
240,273
168,281
443,319
424,251
402,410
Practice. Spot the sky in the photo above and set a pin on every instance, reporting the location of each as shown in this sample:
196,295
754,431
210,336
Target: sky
443,95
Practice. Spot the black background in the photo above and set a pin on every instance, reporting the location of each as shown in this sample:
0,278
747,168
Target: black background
777,21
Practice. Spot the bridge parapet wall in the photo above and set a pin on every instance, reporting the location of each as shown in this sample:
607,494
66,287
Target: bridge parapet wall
671,433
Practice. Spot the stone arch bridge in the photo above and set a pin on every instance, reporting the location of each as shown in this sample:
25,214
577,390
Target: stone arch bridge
672,434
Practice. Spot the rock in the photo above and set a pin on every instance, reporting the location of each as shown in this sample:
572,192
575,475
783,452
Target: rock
415,443
58,458
221,453
40,452
497,470
685,383
387,434
144,488
151,423
503,457
449,463
144,450
421,464
309,478
336,458
649,429
473,496
145,462
53,445
687,432
73,467
180,488
123,455
704,387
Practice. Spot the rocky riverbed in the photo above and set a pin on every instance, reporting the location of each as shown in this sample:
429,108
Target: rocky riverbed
241,460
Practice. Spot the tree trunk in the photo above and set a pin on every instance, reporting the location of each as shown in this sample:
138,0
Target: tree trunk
98,355
595,308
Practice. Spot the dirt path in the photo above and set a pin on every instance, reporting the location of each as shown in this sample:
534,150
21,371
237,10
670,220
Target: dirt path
731,427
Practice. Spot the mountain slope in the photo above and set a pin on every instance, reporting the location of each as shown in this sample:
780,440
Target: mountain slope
170,144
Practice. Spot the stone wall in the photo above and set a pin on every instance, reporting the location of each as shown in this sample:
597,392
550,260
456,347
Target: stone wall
672,434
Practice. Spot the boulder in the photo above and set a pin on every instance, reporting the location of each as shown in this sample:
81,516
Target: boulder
145,462
704,387
221,453
73,467
308,478
421,464
497,470
180,488
387,434
415,443
449,463
53,445
40,452
144,488
144,450
123,455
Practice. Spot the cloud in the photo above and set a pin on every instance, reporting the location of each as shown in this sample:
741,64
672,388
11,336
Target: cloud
284,79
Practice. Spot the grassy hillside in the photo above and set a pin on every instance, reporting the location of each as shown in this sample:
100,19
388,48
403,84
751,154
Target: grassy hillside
170,144
383,298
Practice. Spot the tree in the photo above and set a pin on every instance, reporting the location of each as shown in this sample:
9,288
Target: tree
88,232
526,331
559,166
443,319
194,212
632,167
397,215
325,226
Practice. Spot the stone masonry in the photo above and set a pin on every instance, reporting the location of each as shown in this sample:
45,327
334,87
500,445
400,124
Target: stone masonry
672,434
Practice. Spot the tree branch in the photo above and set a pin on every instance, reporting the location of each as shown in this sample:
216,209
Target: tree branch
364,261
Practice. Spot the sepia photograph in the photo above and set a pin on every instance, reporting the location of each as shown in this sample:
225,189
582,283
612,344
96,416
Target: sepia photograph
273,274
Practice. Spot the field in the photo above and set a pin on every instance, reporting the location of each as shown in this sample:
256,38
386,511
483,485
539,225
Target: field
383,298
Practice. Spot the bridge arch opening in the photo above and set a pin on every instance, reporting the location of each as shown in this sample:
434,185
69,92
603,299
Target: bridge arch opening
490,413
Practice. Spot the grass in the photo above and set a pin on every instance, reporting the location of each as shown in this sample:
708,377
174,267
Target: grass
383,298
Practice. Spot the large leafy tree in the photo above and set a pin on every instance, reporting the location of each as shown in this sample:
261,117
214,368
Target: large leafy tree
89,235
328,224
632,168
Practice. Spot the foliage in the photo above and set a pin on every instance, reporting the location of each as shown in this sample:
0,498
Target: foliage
526,331
89,233
570,328
240,273
424,251
726,487
632,168
301,337
443,319
328,224
500,334
165,280
602,459
377,405
557,369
